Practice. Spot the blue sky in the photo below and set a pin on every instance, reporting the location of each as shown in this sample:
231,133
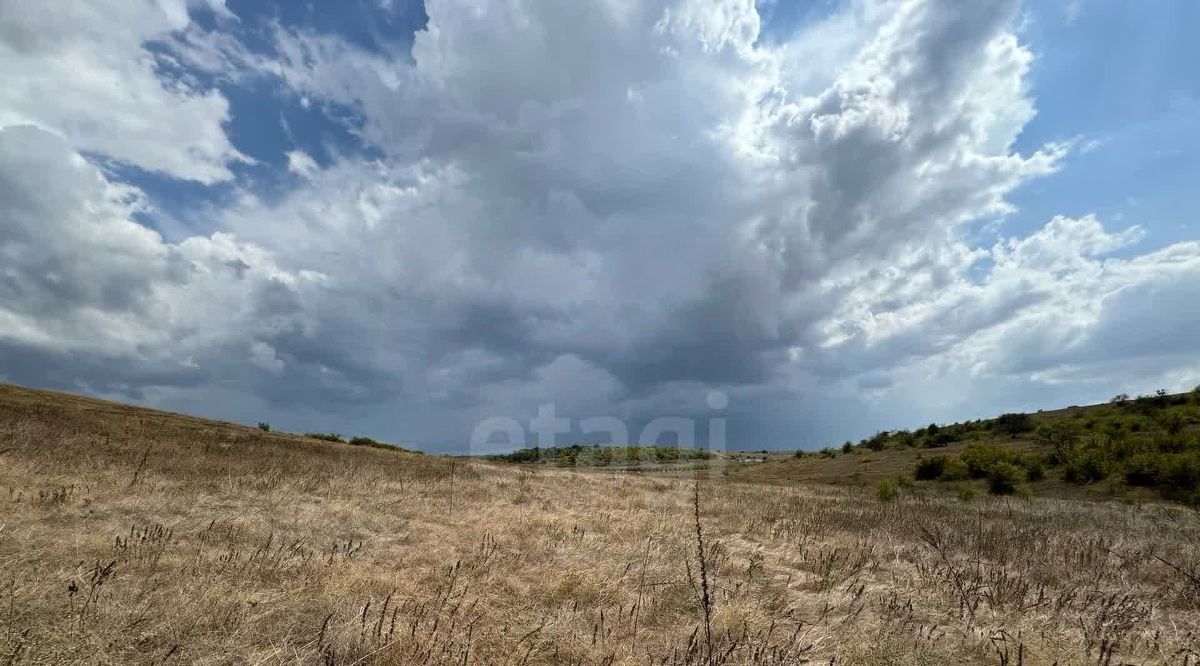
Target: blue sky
1120,75
403,219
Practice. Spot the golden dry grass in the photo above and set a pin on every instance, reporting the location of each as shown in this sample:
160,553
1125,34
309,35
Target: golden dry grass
129,536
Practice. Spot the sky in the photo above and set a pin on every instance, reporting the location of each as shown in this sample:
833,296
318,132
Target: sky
796,222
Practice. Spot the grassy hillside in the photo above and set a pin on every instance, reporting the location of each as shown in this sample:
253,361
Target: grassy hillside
1131,448
136,537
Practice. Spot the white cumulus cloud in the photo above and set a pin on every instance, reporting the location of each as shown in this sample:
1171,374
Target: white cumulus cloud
619,205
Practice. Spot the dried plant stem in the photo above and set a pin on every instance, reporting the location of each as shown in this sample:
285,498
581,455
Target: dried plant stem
141,466
706,603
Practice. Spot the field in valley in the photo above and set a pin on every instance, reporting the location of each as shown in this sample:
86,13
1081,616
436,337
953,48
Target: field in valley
136,537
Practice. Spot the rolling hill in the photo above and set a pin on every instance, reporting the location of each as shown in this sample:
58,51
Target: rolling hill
1140,448
134,536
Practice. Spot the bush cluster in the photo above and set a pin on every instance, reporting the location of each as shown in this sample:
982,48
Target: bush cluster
1149,441
982,460
941,468
327,437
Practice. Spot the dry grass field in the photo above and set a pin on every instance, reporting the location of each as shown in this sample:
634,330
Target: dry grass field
136,537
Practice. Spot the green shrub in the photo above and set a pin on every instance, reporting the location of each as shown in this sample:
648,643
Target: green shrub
1143,469
1086,467
367,441
955,470
264,426
940,438
1182,475
1177,443
887,490
328,437
980,459
1004,477
966,493
1034,469
930,468
1174,422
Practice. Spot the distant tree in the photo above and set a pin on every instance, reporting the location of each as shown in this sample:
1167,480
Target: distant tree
1060,435
1196,394
878,442
264,426
1014,424
1119,399
847,447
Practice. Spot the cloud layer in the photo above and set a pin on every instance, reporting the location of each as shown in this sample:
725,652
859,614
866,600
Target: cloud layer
617,212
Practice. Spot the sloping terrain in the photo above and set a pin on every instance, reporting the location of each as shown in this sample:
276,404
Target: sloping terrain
1134,449
132,536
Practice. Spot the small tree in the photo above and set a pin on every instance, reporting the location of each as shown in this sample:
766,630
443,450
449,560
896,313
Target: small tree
1014,424
1062,436
264,426
1119,399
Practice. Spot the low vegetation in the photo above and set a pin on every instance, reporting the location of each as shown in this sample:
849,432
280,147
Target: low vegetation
1148,442
131,536
580,455
325,437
